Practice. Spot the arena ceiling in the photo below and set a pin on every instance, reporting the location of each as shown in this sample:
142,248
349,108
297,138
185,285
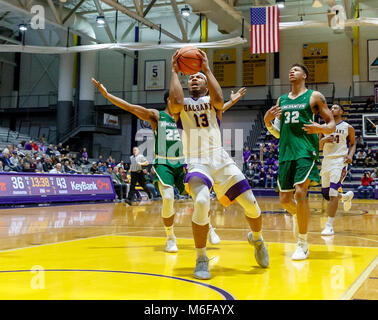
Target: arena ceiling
225,14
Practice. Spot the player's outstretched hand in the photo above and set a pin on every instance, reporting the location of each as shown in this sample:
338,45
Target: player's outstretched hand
100,87
205,62
312,128
273,112
175,67
235,97
348,159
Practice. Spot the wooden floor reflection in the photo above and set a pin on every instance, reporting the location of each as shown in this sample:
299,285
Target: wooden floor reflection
32,226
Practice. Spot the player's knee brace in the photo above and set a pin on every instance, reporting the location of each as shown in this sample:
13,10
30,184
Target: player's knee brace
248,201
201,196
168,196
325,193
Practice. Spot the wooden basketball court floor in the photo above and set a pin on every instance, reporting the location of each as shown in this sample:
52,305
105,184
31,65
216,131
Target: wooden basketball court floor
116,251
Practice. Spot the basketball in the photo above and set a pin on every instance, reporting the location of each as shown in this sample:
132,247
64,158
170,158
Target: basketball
189,60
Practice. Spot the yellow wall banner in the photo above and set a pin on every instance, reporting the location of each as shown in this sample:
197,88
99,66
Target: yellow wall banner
254,68
315,58
224,67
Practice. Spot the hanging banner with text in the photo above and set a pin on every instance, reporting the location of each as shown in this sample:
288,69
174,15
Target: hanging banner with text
45,187
224,67
315,58
373,60
254,69
154,75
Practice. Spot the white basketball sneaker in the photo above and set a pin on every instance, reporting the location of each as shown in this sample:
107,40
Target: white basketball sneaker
301,252
171,245
328,230
347,200
212,236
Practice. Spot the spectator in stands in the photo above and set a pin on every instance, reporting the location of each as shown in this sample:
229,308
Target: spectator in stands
21,145
270,161
369,160
28,145
360,143
35,146
122,176
84,156
65,150
246,157
60,147
47,165
374,175
255,159
360,158
14,159
39,165
43,138
57,168
119,186
57,152
101,168
1,167
150,183
8,149
366,185
76,160
94,169
262,177
33,165
370,103
269,179
376,155
27,168
250,174
73,167
50,150
100,159
7,165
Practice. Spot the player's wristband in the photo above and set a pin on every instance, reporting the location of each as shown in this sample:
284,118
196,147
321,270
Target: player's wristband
273,131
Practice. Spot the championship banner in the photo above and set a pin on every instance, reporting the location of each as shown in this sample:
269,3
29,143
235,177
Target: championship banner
154,75
224,67
373,60
254,69
44,187
315,58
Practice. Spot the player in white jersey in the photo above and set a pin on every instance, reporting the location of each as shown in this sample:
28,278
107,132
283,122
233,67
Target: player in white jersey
336,157
208,164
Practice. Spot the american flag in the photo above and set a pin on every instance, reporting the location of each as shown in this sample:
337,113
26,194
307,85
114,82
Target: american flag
265,36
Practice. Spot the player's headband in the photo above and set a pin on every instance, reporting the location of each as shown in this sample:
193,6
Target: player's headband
202,75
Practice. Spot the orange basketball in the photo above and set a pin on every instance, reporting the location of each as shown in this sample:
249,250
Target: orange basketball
189,60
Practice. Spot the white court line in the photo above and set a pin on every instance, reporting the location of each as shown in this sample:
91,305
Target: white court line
347,295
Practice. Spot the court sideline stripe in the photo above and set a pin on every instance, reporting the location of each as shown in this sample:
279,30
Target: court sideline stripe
347,295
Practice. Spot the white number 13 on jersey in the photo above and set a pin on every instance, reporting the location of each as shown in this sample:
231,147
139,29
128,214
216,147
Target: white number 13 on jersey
291,117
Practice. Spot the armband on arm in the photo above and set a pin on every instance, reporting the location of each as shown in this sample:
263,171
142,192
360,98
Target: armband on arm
274,129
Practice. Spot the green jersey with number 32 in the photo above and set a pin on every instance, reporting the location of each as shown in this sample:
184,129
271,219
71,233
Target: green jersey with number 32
168,146
295,143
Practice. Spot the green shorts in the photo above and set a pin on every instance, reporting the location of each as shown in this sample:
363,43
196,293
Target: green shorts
171,176
295,172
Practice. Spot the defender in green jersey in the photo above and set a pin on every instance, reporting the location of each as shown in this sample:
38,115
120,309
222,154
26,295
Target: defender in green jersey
299,147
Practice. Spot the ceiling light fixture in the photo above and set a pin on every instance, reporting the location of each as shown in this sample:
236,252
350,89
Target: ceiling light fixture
317,4
185,11
281,3
22,27
100,20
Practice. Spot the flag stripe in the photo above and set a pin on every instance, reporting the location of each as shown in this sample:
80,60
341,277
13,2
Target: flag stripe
264,29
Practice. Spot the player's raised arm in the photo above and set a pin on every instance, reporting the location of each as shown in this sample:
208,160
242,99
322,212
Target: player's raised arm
234,97
176,94
215,91
352,144
273,113
150,115
319,101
